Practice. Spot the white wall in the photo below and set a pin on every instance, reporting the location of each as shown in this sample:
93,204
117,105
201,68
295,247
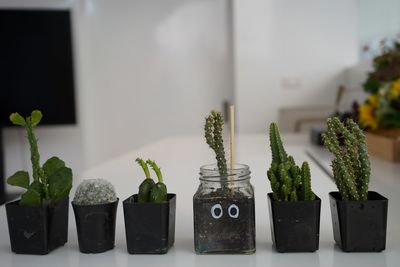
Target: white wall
377,20
157,68
144,70
290,53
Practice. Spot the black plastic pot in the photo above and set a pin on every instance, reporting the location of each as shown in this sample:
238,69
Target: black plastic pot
95,225
37,230
149,227
295,225
359,226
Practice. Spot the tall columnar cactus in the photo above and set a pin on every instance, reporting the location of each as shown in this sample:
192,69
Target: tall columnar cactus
213,134
288,181
351,165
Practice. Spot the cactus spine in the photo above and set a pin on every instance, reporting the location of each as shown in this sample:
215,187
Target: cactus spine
288,181
213,135
351,166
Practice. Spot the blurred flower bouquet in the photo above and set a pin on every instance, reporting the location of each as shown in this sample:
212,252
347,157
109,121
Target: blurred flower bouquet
382,108
380,113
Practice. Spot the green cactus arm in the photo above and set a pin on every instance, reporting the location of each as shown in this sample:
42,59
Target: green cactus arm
278,152
365,165
156,169
339,180
307,194
213,135
342,170
293,196
285,193
274,184
286,181
297,182
219,143
144,166
208,131
350,153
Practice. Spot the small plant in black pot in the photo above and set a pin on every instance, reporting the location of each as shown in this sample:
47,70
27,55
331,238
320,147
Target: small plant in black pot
294,208
95,207
223,205
359,216
150,215
38,222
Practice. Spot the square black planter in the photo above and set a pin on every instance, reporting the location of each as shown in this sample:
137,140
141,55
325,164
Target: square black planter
295,225
37,230
95,225
149,227
359,226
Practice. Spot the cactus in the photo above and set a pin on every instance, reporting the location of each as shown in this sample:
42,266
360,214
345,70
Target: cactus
288,181
147,184
159,191
351,165
150,192
94,192
52,181
213,135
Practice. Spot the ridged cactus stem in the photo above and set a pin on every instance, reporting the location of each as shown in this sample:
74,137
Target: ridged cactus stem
365,165
213,135
288,181
306,182
278,152
351,166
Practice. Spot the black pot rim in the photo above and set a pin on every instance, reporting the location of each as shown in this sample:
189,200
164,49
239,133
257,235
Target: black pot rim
94,205
317,198
170,196
376,197
42,204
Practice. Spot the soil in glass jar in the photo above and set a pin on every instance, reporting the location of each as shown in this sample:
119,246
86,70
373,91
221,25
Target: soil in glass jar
224,217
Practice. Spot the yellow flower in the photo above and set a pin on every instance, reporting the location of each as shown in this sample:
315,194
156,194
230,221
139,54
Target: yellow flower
394,91
373,100
367,114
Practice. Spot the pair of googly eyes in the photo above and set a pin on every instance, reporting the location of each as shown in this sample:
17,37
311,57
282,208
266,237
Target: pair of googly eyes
217,212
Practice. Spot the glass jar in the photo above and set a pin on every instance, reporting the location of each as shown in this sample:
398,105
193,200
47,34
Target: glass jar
224,215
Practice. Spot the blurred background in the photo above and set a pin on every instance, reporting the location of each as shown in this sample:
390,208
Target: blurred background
117,75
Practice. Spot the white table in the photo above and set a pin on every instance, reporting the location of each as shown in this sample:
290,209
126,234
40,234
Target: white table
180,159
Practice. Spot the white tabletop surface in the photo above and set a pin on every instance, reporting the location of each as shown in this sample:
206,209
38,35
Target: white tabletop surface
180,159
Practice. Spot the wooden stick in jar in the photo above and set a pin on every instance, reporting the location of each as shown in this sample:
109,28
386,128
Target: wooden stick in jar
232,135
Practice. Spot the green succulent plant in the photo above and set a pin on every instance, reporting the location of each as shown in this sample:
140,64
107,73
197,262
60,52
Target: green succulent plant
351,166
52,181
213,134
288,181
149,191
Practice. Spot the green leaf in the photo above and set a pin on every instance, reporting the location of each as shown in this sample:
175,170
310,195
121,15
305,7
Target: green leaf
36,117
17,119
20,178
371,86
52,165
38,187
60,183
30,198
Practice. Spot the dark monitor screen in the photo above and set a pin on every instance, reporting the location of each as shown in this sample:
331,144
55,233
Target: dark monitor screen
36,65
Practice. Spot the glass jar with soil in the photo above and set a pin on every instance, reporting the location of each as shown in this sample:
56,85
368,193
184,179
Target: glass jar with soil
224,216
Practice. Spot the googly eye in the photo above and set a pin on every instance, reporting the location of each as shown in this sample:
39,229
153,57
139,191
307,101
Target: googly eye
233,211
216,211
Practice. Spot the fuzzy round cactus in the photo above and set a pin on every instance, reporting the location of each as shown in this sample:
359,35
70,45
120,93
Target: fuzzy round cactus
94,191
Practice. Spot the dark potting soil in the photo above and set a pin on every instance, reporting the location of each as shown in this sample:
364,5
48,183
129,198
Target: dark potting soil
224,222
